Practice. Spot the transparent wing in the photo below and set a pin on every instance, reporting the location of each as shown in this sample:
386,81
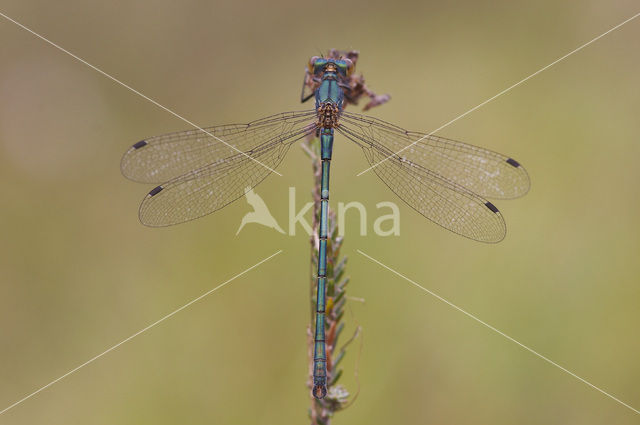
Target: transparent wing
162,158
481,171
213,186
440,200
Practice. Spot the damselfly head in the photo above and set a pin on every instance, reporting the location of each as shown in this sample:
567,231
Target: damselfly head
318,66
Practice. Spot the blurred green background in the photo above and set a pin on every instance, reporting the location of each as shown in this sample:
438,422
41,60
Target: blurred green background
79,273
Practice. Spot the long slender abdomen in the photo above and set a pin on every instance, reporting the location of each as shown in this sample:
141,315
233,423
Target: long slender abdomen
320,351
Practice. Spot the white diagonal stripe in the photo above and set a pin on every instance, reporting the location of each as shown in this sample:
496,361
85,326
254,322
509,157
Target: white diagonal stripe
137,333
503,92
546,359
134,91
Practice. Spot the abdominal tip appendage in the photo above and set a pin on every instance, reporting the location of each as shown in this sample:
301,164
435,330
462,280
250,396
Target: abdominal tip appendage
319,391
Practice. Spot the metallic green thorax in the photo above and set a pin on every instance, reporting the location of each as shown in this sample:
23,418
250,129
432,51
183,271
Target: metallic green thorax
329,91
329,98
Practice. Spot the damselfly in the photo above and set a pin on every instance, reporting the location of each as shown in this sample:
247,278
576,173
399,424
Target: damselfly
203,170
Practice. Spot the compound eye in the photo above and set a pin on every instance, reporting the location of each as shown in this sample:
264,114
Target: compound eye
312,61
350,66
345,67
318,64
